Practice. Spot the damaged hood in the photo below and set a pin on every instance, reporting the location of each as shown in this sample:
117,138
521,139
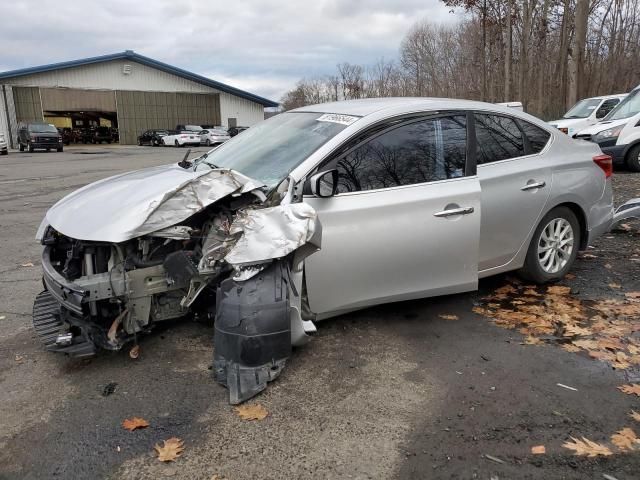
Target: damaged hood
133,204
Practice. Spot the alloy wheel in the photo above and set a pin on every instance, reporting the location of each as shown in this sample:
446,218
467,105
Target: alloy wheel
555,245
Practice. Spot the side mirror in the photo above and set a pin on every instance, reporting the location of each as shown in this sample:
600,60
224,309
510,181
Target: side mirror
601,113
324,184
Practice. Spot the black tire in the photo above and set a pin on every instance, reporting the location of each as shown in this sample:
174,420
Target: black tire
207,142
61,149
532,269
177,144
21,147
5,152
633,158
31,149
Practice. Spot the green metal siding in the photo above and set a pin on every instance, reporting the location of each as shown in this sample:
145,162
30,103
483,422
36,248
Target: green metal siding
140,111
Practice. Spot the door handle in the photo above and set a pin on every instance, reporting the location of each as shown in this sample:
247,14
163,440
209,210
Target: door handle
454,211
533,186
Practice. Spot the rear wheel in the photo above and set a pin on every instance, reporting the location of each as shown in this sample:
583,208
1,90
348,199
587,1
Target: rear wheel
177,144
553,248
31,149
633,158
207,142
60,149
21,147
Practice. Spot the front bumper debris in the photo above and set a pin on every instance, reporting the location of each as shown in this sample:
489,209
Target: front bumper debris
630,209
252,339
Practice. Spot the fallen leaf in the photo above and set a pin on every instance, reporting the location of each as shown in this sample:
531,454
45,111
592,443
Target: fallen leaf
635,415
252,412
448,317
28,264
134,352
538,450
570,276
19,358
624,226
631,389
134,423
570,347
532,341
532,291
171,449
625,439
632,295
575,330
588,256
558,290
608,266
615,285
587,447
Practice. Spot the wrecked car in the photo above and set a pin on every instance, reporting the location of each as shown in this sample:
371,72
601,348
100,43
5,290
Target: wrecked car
313,213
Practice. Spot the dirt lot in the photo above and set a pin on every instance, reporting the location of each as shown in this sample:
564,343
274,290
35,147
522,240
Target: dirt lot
389,392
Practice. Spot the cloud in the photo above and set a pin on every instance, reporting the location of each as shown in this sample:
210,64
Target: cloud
263,46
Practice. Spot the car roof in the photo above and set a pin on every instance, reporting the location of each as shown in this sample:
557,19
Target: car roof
367,106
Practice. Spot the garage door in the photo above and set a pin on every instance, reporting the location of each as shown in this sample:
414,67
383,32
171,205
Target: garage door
140,111
75,100
27,103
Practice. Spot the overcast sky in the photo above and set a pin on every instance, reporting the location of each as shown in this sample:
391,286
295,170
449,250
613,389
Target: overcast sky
263,46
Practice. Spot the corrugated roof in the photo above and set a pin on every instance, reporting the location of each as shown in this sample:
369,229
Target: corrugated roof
135,57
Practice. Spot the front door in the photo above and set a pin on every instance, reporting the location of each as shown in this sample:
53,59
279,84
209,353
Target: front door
405,223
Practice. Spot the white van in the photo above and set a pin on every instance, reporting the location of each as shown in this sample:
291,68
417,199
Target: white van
586,112
618,134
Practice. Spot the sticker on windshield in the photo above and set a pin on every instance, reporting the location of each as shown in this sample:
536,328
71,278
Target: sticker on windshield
337,118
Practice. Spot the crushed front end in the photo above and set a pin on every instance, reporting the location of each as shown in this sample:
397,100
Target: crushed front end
236,257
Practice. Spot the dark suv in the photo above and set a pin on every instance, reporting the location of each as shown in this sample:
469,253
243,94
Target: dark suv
152,137
39,135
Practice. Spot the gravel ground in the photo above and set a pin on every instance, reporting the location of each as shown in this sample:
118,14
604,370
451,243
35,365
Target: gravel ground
388,392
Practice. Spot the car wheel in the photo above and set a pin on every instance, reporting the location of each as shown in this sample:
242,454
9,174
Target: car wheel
553,248
61,149
207,142
21,147
31,149
633,159
177,144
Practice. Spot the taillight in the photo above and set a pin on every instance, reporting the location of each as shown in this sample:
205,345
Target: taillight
605,162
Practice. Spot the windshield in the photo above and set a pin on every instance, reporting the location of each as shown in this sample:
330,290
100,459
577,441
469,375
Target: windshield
271,149
628,107
42,128
583,108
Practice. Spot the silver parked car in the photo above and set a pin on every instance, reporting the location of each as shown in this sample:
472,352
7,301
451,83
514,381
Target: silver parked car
313,213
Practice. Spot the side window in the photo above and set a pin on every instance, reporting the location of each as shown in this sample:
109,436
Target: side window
537,137
418,152
606,107
498,138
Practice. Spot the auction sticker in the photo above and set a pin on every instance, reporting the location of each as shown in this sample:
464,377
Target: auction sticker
337,118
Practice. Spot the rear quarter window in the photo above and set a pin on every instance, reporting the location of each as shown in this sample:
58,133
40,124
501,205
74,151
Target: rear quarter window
538,138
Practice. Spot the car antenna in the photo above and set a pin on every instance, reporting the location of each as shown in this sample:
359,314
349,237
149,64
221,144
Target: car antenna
184,163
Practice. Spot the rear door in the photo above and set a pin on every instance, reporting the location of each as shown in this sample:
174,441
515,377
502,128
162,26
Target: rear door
515,181
406,220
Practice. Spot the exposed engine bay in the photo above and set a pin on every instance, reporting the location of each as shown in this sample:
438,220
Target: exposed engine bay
213,246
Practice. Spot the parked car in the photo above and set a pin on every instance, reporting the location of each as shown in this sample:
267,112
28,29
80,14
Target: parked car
213,136
233,131
618,134
115,135
4,148
37,135
67,135
313,213
586,112
101,134
189,128
152,137
181,138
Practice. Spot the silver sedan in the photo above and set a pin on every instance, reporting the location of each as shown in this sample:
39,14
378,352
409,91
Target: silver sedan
313,213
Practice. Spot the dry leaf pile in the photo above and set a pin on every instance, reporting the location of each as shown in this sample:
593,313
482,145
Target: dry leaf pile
587,447
604,329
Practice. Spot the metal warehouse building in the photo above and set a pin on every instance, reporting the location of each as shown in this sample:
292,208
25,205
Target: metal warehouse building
124,90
